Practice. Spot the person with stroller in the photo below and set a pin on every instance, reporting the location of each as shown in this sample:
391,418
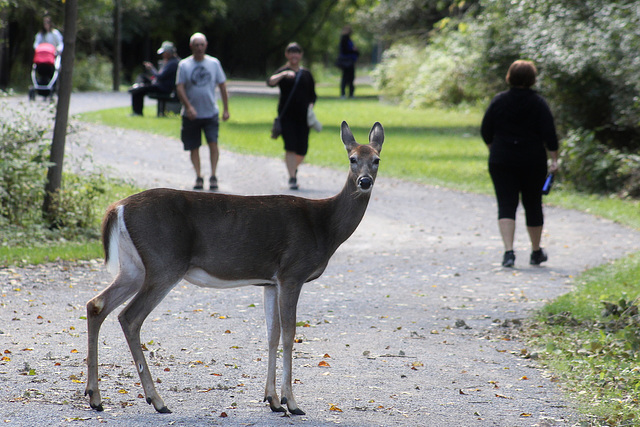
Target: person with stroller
48,45
50,35
161,81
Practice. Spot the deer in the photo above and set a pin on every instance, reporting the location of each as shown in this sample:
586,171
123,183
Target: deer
156,238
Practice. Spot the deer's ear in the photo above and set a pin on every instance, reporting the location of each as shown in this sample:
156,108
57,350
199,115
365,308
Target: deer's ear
347,137
376,137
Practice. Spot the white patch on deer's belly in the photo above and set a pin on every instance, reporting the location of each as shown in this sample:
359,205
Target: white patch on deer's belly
201,278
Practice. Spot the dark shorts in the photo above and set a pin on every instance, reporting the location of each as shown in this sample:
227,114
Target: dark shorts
191,132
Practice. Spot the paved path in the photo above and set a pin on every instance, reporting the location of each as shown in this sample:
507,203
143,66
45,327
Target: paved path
385,312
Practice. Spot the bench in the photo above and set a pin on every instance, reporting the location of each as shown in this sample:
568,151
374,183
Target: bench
166,102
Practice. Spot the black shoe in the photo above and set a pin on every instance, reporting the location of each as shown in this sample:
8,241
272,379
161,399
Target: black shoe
509,259
293,183
199,184
538,257
213,183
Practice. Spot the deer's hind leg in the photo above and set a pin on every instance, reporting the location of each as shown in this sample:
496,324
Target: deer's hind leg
127,282
155,288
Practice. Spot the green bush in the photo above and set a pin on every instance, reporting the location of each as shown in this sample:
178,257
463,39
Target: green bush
596,168
23,167
92,73
24,154
441,74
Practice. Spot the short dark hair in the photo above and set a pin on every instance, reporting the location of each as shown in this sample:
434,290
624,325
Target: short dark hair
522,74
293,47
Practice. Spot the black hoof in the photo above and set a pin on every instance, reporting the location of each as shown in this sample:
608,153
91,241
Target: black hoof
98,408
164,410
277,408
297,411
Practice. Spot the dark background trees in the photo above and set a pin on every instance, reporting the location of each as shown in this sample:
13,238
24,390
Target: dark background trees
248,36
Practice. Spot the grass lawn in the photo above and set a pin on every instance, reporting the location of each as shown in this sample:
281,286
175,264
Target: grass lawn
432,146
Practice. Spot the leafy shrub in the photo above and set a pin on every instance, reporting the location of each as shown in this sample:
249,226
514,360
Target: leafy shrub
594,167
441,74
24,154
92,73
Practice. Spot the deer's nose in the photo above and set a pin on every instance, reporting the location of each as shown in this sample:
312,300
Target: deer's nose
365,182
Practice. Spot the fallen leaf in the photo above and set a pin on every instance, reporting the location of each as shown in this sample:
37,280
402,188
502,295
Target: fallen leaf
334,408
324,364
74,351
502,396
525,414
326,356
223,415
524,378
122,391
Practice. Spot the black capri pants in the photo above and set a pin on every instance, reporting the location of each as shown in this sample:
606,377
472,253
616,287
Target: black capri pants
515,179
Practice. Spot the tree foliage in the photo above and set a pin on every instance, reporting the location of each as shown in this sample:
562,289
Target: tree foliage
586,52
247,36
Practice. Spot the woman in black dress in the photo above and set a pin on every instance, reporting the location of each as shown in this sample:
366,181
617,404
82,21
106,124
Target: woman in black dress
295,82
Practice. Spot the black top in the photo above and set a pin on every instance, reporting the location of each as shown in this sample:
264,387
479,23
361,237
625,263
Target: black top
518,124
304,95
166,77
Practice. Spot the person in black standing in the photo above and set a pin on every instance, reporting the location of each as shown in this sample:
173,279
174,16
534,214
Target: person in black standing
347,57
297,83
519,131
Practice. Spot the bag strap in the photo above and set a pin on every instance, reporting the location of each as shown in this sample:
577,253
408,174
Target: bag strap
295,84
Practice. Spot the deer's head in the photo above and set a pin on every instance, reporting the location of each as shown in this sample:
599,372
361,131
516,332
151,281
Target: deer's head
364,159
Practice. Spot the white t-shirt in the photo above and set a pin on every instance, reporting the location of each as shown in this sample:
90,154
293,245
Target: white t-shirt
200,79
52,37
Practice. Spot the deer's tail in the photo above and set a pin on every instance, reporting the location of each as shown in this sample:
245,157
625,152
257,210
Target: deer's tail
110,237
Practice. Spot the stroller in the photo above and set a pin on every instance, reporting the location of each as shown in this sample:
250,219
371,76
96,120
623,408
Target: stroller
44,73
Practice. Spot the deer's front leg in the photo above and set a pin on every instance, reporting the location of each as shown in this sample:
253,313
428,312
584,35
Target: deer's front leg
272,316
288,301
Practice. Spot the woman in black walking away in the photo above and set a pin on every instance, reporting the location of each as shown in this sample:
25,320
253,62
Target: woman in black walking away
519,131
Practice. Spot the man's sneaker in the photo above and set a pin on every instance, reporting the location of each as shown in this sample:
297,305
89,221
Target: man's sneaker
538,257
199,184
509,259
213,183
293,183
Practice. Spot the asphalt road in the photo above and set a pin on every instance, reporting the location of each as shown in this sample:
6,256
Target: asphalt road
414,315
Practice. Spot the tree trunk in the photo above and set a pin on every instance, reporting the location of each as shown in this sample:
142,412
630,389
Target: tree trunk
54,175
117,42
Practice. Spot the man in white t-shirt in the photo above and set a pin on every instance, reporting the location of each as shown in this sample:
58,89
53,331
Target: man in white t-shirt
196,81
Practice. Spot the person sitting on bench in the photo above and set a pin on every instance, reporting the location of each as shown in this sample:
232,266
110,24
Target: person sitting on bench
163,81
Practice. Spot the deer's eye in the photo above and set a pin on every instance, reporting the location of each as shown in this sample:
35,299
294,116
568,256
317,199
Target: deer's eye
353,160
376,161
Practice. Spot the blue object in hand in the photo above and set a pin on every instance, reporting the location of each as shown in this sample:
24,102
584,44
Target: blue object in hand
546,188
